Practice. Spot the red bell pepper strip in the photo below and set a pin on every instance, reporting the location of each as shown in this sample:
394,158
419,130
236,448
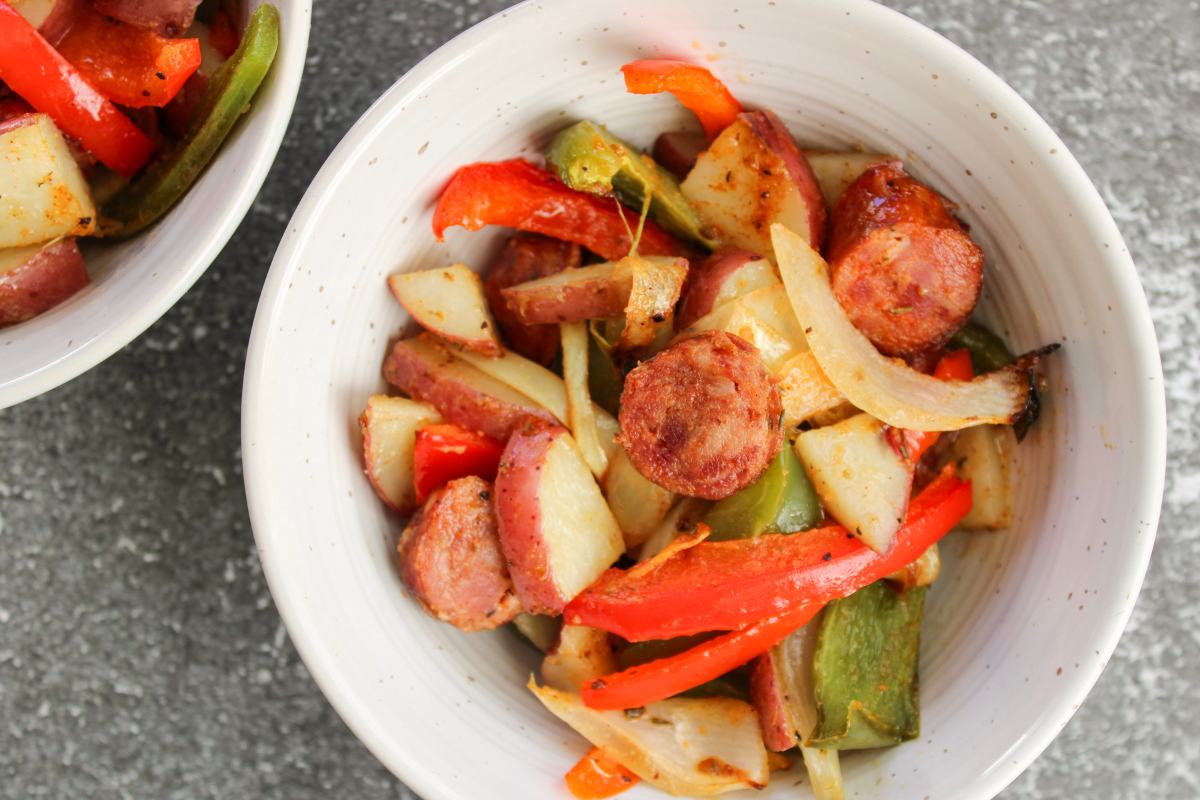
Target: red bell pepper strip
721,586
935,511
34,70
693,86
445,452
131,66
667,677
911,445
596,776
519,195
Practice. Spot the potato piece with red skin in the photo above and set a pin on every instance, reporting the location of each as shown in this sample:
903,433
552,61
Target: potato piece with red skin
722,278
752,176
35,279
449,302
702,418
425,370
557,532
450,558
592,292
527,257
902,267
770,701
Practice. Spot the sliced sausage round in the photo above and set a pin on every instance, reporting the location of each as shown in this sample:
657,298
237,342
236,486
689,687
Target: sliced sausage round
450,558
527,257
702,418
901,265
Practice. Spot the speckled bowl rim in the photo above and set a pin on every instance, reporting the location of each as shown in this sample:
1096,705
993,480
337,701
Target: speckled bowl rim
87,348
322,662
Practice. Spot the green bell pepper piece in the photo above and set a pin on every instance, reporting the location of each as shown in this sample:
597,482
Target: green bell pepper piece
988,351
225,99
865,669
589,158
605,380
782,500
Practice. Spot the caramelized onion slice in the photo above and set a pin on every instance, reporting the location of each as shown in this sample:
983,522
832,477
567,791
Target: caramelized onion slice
886,389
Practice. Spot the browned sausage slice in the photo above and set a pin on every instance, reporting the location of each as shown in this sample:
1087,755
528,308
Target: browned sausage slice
702,418
527,257
450,558
901,265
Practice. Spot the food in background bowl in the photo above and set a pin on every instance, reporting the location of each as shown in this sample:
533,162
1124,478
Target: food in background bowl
700,467
109,111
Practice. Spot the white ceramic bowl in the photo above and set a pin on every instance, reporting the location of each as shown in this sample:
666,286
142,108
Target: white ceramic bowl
1021,623
135,282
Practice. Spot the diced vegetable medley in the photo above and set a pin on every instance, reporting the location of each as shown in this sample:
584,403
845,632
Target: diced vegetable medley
696,433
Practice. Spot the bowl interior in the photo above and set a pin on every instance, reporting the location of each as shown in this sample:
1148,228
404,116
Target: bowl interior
1020,624
136,281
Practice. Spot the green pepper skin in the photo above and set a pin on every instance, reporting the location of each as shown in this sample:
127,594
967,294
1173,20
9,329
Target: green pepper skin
605,380
227,97
988,351
782,500
589,158
865,669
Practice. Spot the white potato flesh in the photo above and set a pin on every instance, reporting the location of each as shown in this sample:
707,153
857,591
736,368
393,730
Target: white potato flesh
389,428
43,194
543,387
861,480
805,391
835,170
763,317
639,504
13,257
684,746
984,455
727,188
581,535
581,655
756,274
449,302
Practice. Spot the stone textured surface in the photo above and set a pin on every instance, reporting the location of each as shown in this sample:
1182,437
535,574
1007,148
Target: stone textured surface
140,653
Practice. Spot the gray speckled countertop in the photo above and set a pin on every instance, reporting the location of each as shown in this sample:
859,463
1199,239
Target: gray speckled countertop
140,652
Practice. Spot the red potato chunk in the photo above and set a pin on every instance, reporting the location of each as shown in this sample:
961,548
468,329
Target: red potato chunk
702,418
425,370
556,530
754,175
35,279
722,278
450,558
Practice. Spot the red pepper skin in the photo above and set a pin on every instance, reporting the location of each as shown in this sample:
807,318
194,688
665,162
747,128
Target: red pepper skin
931,515
693,86
131,66
954,366
519,195
446,452
667,677
47,81
722,586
